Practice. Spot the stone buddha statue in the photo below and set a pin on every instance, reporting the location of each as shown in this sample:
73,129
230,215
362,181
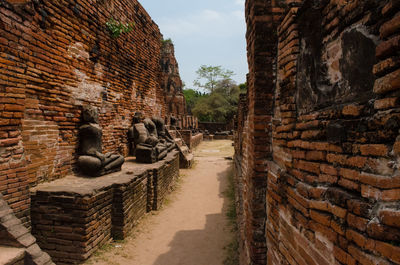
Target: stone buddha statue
162,134
141,144
161,145
145,141
91,161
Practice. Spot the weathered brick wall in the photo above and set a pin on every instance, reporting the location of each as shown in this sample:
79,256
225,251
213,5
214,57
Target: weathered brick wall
56,56
331,169
164,178
254,130
192,140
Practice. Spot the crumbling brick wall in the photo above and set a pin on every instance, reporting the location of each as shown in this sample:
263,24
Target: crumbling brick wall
328,189
56,56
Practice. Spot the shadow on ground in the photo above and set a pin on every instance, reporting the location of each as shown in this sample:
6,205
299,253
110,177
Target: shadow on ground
189,247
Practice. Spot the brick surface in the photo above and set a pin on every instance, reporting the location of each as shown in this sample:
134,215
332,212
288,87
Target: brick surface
74,216
57,56
327,193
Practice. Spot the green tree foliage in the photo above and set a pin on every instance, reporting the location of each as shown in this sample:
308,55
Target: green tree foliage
209,76
192,97
243,88
220,102
220,105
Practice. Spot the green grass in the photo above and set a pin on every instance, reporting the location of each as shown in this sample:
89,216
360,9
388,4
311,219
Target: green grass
232,249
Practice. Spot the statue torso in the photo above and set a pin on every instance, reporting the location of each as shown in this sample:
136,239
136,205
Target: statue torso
90,138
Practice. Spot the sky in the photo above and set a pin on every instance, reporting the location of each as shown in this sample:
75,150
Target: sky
205,32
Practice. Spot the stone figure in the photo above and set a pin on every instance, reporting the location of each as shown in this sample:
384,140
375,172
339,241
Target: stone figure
91,161
144,140
161,146
141,145
162,134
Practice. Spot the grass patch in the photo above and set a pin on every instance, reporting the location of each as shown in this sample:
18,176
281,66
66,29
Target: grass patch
232,249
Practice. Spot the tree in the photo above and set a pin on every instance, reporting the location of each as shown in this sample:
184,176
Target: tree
209,76
192,97
220,105
243,87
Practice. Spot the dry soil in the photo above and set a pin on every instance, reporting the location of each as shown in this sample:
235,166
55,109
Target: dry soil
192,227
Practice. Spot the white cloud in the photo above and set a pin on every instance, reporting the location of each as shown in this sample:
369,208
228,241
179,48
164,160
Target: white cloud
206,23
240,2
238,14
210,15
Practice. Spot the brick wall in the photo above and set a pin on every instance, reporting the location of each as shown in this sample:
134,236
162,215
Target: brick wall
164,177
316,144
56,56
192,140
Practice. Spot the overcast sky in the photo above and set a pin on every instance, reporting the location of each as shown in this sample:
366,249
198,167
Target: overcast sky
210,32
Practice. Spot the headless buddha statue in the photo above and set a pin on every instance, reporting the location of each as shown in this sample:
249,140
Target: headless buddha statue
91,160
162,134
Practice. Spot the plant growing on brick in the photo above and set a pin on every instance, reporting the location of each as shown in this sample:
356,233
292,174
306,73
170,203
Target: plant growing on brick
167,41
117,27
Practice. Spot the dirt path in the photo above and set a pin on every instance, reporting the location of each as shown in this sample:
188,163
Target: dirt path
192,228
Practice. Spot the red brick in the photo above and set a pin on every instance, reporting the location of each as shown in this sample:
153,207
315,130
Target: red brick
390,27
386,103
390,217
388,47
320,217
387,83
357,222
14,107
9,141
349,174
391,195
352,110
307,166
348,184
335,158
357,161
326,231
364,258
374,149
312,134
382,182
315,156
388,250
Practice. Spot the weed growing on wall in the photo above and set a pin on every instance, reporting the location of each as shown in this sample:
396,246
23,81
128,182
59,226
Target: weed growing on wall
116,28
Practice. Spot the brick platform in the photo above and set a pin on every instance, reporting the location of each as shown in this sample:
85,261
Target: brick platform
72,217
191,140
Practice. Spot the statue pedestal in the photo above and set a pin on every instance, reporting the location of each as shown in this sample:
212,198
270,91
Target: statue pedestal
72,217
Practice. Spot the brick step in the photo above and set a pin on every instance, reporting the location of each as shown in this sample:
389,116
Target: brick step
12,256
186,160
178,141
189,157
185,150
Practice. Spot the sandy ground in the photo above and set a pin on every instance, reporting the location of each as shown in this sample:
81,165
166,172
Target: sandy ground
192,227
